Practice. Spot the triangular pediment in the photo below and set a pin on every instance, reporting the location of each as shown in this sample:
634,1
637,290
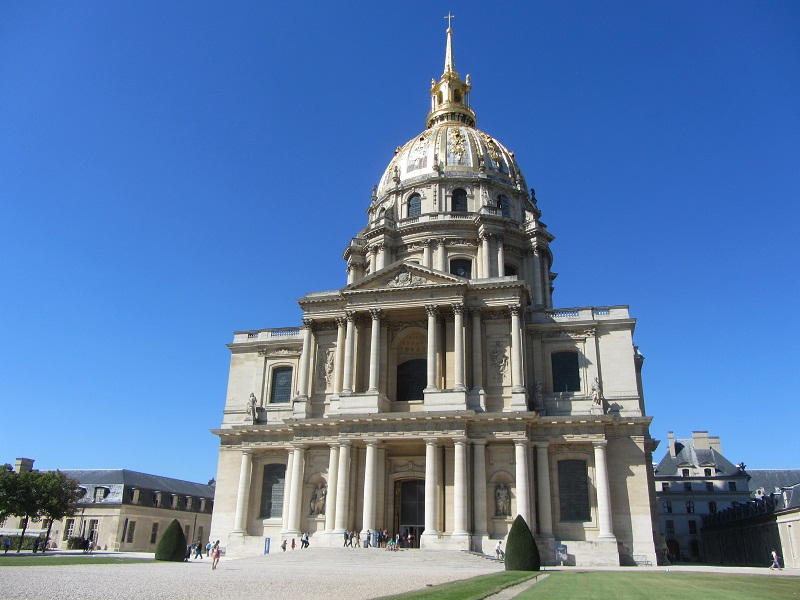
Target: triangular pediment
401,276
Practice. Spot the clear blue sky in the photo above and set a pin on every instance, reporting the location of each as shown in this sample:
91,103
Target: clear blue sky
171,172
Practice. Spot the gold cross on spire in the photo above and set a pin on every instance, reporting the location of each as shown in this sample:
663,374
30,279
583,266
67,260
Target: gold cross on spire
448,17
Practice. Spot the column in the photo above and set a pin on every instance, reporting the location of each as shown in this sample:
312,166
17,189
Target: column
479,486
603,491
431,309
333,477
243,493
375,350
296,492
338,363
501,257
305,358
460,488
523,497
370,488
349,351
441,255
381,256
543,490
350,274
287,486
384,358
458,348
343,488
430,487
373,263
538,292
426,254
517,382
486,271
477,351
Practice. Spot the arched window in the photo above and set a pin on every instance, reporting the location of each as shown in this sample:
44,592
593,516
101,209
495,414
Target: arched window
504,204
573,490
281,388
509,270
272,489
461,267
411,379
459,200
414,205
566,377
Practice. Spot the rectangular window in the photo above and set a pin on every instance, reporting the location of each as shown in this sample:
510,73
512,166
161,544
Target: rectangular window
690,507
93,526
154,533
281,388
685,472
667,506
566,376
707,472
573,490
712,507
687,487
692,526
131,529
200,533
731,486
664,487
69,529
186,532
273,487
670,526
709,486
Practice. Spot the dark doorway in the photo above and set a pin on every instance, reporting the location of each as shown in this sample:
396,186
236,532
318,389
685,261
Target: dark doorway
412,377
409,511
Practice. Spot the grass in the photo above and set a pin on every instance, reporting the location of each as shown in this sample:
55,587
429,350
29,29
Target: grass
470,589
662,585
26,560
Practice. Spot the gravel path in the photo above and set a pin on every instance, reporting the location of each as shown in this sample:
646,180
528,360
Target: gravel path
318,573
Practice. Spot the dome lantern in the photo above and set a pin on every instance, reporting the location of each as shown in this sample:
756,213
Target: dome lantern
450,96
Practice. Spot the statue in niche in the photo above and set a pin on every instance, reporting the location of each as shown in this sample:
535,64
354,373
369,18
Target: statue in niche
597,392
499,360
318,500
252,410
502,500
538,396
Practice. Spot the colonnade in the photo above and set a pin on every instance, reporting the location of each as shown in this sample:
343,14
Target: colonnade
345,361
338,516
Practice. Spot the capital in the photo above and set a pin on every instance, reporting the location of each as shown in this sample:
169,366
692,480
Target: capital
341,322
351,315
308,323
458,308
431,309
515,309
475,312
376,313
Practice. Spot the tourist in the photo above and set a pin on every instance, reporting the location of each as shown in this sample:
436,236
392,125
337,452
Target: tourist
7,544
293,544
36,545
368,539
215,555
304,540
498,551
775,560
198,549
208,548
346,539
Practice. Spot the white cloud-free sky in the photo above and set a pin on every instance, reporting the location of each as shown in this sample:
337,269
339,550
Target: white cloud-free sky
171,172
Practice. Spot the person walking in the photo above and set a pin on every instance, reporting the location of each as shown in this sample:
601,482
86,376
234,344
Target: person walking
208,549
498,551
776,564
304,540
215,555
198,549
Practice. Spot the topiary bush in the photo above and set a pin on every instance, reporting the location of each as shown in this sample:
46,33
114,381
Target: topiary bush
521,551
172,545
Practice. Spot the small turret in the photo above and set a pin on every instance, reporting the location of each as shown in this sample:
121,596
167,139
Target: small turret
450,96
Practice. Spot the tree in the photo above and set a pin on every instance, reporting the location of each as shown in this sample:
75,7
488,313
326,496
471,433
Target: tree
521,551
25,501
172,545
57,496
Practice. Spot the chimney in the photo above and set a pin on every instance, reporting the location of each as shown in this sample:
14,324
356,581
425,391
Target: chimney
715,443
23,465
671,444
700,439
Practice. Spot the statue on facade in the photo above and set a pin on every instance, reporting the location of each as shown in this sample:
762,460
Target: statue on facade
597,392
318,500
538,396
502,500
252,410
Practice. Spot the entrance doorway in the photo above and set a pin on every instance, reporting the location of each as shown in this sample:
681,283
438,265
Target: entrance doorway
409,511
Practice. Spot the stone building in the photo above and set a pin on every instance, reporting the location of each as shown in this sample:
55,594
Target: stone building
126,510
439,393
694,479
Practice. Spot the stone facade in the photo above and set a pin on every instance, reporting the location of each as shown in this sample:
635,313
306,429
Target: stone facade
439,392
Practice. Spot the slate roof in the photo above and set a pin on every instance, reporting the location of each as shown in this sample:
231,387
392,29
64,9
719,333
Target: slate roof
769,479
140,480
686,454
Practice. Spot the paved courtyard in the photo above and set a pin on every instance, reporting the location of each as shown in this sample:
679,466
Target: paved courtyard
312,573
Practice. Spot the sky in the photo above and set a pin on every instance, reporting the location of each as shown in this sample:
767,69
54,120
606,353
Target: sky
172,172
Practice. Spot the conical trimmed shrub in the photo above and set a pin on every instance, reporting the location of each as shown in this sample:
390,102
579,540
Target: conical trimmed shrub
172,545
521,551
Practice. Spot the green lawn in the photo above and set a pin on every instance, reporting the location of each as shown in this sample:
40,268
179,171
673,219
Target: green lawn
470,589
27,560
663,586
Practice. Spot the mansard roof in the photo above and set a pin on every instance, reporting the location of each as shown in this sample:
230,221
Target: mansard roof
687,456
772,479
135,479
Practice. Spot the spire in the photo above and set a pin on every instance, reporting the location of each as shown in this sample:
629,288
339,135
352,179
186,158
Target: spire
449,65
450,96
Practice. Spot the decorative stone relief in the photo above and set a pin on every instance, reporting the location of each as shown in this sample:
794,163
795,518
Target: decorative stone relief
325,369
406,279
405,465
502,500
498,362
318,500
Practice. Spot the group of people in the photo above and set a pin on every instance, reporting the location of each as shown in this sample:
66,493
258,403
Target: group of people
212,551
303,542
